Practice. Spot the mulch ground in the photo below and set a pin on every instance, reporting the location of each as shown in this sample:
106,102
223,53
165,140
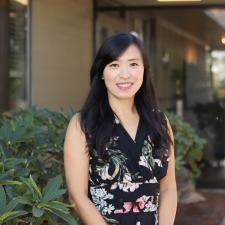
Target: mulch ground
210,212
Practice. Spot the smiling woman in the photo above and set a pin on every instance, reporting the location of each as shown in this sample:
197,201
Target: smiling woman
118,151
124,76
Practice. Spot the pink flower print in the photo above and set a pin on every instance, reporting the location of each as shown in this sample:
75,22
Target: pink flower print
127,206
132,206
140,204
135,209
118,211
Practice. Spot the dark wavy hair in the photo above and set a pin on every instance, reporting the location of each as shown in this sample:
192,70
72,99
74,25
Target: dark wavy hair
96,115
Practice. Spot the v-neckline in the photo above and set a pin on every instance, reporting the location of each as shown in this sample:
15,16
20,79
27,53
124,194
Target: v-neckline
134,141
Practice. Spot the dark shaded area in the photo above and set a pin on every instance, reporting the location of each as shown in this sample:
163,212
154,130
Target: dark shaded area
211,116
212,178
210,212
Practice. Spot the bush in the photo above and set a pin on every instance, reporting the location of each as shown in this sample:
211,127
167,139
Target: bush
31,168
188,147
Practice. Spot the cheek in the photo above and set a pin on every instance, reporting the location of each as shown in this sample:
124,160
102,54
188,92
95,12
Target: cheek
139,76
109,79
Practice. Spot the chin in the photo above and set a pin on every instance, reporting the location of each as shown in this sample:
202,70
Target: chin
124,96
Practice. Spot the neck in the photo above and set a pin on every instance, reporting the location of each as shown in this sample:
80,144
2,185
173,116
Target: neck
123,107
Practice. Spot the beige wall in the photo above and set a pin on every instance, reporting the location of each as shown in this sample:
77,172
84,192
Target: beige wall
61,52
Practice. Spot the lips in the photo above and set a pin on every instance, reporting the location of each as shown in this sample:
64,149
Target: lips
124,85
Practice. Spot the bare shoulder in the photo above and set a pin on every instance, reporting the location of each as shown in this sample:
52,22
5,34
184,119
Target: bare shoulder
75,121
74,135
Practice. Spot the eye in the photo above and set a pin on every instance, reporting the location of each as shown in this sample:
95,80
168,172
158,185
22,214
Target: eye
114,65
134,64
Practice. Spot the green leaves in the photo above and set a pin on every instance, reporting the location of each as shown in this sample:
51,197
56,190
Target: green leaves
31,142
40,204
52,191
188,147
7,211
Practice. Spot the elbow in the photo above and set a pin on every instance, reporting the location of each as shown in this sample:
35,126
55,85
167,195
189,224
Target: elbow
77,200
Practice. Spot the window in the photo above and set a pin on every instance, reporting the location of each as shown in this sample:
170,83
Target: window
18,73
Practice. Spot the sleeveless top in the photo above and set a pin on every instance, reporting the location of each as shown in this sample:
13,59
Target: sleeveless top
124,186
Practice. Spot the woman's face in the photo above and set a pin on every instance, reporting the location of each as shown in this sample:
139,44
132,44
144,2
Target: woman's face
124,76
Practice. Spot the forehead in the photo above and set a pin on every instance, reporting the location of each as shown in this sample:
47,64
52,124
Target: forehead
132,52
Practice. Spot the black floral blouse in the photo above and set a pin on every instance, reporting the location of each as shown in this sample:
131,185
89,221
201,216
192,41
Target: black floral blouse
125,186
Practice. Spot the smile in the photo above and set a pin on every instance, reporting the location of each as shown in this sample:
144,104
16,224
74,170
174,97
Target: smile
124,86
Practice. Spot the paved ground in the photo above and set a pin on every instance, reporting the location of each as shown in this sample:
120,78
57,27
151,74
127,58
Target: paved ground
210,212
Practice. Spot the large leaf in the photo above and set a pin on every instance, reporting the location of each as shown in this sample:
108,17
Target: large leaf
66,217
55,205
7,216
35,187
4,182
51,191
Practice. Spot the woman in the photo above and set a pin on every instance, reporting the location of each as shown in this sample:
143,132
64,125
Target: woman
118,150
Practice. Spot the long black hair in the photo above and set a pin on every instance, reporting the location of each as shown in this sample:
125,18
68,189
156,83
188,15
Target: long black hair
96,115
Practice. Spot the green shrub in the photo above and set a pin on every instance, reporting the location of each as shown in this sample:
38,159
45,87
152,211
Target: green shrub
188,147
31,142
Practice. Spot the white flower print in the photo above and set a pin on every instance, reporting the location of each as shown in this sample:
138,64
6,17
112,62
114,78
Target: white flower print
158,162
138,223
151,205
99,197
152,181
108,210
104,172
126,184
143,162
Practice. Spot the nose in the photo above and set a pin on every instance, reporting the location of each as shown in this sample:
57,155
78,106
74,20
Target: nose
124,72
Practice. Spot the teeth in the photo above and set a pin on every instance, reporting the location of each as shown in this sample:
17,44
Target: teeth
124,85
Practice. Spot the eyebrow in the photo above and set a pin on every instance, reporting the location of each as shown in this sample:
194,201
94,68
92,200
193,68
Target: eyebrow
134,59
138,59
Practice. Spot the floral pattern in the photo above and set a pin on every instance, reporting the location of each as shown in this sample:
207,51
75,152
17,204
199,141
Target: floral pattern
99,197
146,159
112,179
141,204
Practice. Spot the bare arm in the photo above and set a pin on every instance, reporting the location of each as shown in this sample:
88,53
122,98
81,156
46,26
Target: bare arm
168,190
76,165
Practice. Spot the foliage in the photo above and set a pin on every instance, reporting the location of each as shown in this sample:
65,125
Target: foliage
31,142
188,146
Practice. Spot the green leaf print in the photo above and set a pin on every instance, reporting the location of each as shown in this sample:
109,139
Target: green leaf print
114,156
147,153
110,221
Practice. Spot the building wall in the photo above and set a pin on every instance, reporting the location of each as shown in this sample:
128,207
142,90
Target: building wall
62,46
107,25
